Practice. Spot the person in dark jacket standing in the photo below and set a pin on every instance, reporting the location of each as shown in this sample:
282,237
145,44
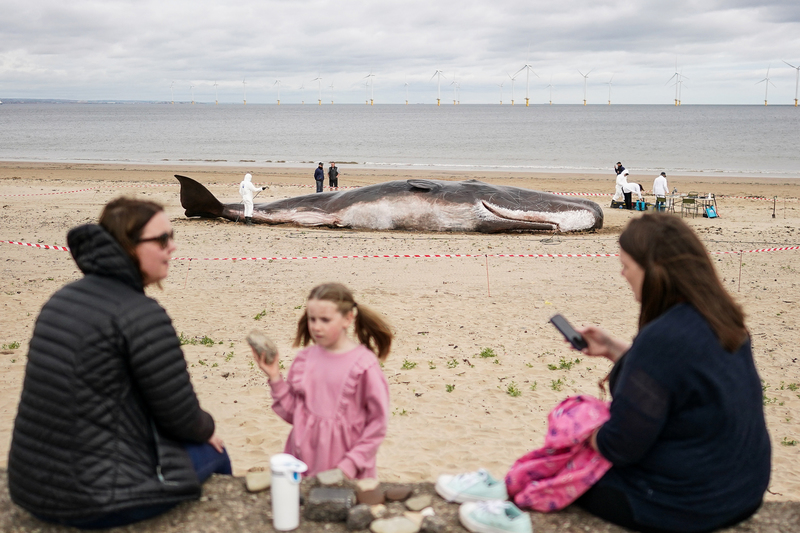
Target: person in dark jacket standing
109,430
687,438
333,176
319,177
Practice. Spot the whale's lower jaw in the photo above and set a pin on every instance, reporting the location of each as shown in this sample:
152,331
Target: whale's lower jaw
573,219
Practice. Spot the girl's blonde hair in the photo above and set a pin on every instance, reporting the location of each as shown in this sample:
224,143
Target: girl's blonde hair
370,327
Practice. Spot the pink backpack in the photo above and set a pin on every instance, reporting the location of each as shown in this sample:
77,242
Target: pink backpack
554,476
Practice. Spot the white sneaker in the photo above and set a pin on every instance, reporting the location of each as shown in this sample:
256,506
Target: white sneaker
494,516
471,487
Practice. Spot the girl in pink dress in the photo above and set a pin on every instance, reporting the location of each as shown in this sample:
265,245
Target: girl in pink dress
335,395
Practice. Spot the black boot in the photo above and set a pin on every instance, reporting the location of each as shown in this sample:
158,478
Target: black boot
248,221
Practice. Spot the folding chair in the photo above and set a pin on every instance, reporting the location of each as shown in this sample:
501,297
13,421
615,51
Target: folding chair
689,204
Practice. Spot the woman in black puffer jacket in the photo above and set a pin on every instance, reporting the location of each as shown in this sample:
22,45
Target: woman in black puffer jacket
109,430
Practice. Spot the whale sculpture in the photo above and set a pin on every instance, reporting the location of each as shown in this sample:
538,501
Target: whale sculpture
413,205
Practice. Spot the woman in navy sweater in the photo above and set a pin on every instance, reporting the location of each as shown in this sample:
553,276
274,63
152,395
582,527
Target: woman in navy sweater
686,437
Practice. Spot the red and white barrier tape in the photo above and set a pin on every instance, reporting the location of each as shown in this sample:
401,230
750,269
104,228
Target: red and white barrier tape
395,256
51,193
34,245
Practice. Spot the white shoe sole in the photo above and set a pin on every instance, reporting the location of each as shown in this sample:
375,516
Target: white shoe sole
476,527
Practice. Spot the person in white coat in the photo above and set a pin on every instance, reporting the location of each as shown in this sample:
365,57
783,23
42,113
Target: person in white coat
622,180
246,189
660,190
628,189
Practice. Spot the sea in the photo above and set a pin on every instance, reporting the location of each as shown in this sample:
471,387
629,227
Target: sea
690,139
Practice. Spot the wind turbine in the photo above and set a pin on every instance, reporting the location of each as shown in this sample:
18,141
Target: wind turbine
372,85
677,76
528,69
609,89
512,86
454,83
172,92
331,86
585,80
550,86
438,75
766,85
302,88
216,96
501,91
244,89
679,83
278,83
796,81
406,84
191,88
318,79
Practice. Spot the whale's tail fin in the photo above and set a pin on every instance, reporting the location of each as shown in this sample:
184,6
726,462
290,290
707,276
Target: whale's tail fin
197,200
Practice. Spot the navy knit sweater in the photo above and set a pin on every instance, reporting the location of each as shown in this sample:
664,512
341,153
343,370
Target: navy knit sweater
687,436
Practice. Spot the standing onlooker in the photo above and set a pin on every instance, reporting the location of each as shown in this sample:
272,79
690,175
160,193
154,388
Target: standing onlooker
335,396
319,177
660,190
618,168
333,176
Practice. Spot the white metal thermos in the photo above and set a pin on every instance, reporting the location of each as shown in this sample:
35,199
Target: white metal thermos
285,490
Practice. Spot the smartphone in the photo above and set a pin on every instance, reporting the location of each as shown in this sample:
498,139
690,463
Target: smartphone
566,329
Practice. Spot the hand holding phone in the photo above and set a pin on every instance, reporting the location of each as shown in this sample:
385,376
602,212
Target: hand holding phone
575,339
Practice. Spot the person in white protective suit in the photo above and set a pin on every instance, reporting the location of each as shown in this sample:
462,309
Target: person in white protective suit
246,189
622,180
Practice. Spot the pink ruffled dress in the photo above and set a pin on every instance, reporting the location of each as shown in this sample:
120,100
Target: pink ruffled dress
338,405
554,476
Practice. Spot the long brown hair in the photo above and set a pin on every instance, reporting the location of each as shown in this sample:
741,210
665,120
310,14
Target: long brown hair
125,218
677,269
370,327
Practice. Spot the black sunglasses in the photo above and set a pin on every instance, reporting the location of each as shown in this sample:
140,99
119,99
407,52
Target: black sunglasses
162,240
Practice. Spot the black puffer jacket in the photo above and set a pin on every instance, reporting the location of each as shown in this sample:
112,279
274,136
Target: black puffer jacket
107,399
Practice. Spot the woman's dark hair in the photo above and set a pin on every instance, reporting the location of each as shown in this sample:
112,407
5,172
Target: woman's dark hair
677,269
371,329
125,218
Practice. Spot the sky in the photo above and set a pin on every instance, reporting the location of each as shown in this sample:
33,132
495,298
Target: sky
176,50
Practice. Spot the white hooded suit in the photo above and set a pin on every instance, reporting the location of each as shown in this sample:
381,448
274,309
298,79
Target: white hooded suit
246,189
622,180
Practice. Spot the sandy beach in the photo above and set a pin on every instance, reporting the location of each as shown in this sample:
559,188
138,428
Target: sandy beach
475,367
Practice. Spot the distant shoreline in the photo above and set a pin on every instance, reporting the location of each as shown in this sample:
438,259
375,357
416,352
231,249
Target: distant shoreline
636,173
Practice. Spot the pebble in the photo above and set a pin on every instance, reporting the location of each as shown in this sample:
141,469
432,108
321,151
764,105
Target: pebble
378,511
433,524
397,524
332,477
398,493
418,503
369,483
359,517
329,504
258,481
414,517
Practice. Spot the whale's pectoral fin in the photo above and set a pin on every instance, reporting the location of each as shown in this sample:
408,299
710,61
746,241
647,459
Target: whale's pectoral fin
197,200
424,185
